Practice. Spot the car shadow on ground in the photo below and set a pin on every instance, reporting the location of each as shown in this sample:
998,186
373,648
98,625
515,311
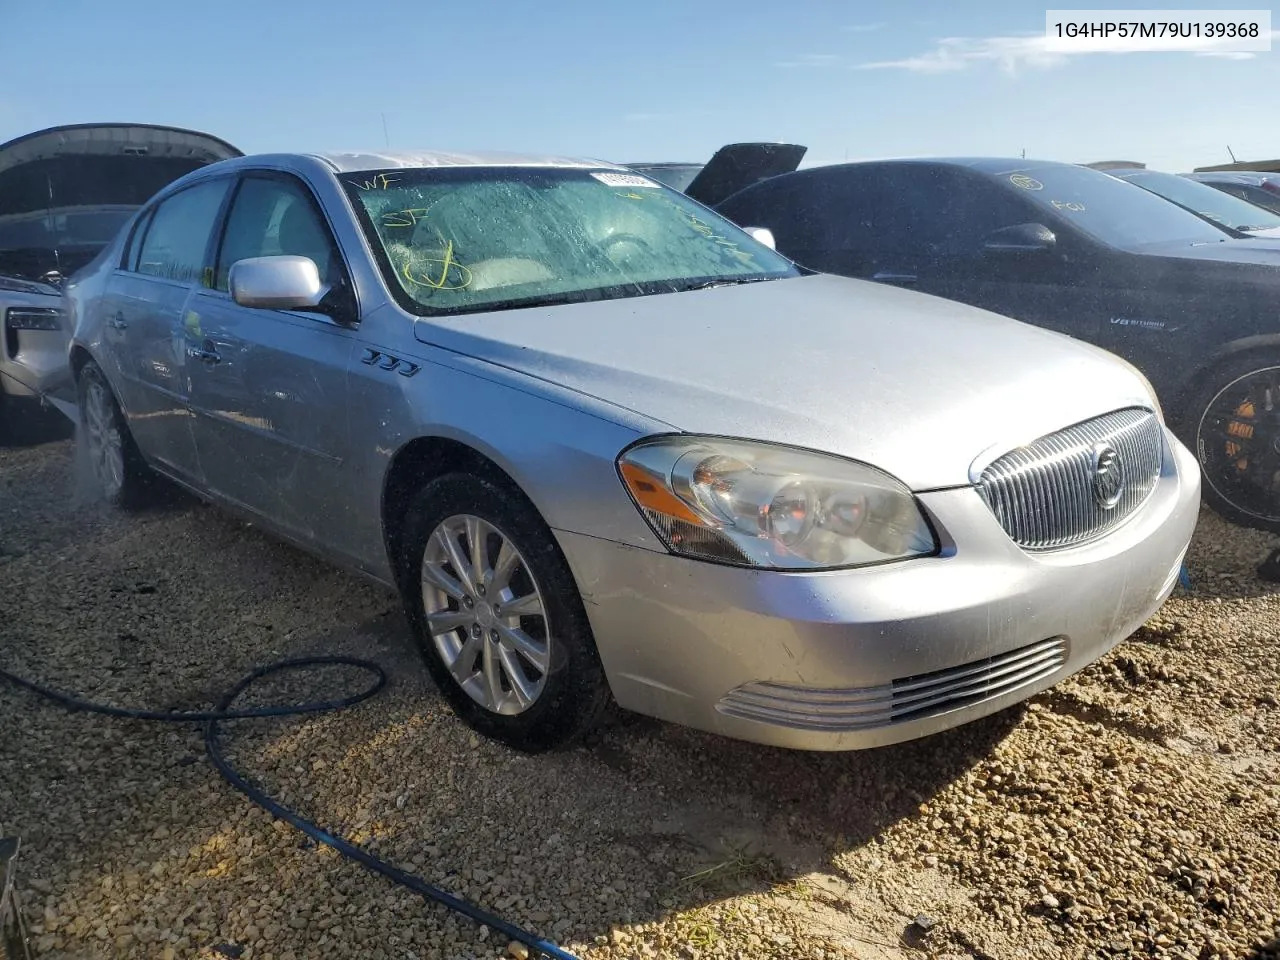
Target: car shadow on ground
665,820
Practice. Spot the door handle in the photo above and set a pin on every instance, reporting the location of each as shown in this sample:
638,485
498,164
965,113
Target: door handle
118,322
205,356
889,276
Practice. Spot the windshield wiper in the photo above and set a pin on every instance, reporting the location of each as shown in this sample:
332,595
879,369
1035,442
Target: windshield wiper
589,295
723,282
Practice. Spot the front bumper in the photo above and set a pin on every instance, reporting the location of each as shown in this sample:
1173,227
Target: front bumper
853,659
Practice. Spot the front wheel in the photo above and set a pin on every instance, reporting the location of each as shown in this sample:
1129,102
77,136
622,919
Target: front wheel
497,615
1234,427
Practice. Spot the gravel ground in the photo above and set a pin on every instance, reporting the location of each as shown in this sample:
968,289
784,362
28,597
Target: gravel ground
1131,811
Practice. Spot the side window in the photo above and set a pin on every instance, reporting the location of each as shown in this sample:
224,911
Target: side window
177,240
271,216
130,259
854,209
785,206
940,212
847,211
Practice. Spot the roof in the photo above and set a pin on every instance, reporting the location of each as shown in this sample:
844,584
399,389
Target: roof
990,165
383,160
1244,166
1235,176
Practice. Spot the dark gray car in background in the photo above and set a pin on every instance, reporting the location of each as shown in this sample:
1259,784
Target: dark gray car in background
64,194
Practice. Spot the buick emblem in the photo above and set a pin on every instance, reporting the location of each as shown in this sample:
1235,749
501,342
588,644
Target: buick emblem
1107,475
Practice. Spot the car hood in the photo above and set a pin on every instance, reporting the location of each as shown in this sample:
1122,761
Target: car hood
64,191
913,384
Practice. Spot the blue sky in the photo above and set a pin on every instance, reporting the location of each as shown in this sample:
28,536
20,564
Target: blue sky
656,80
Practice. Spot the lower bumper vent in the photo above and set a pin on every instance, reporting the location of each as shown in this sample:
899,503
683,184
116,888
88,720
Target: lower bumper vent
907,699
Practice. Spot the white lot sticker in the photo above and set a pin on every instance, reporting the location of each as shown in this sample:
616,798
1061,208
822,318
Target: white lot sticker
625,180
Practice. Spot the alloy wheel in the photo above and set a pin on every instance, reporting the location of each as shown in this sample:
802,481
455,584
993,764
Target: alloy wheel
1238,442
485,614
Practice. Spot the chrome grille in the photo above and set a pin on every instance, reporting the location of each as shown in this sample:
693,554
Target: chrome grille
910,698
1043,494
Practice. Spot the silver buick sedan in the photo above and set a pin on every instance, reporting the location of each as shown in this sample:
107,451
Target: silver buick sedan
608,446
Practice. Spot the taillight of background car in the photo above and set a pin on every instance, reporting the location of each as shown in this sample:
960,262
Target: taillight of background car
29,318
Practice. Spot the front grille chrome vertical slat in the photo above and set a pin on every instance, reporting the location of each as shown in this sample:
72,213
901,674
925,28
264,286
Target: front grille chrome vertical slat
1043,494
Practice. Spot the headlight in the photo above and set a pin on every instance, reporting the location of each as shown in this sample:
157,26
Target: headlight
759,505
33,318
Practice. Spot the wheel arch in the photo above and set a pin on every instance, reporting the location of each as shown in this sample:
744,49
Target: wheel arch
77,357
423,459
1225,353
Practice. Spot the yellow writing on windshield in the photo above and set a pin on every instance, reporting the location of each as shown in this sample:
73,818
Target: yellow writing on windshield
404,218
701,226
380,181
438,274
709,232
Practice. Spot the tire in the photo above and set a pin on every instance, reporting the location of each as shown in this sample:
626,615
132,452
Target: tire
120,474
1236,439
572,694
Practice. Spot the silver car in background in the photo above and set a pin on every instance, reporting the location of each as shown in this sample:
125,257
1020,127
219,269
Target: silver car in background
64,193
606,444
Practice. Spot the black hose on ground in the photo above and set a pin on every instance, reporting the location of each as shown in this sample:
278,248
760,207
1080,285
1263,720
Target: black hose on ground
223,711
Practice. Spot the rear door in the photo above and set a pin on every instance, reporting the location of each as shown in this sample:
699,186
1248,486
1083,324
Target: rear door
146,301
270,387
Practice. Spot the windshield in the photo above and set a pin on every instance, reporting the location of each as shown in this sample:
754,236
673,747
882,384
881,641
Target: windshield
32,244
467,239
1205,200
1117,213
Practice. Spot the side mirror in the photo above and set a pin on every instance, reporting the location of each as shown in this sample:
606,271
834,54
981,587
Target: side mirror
1020,238
276,283
763,235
